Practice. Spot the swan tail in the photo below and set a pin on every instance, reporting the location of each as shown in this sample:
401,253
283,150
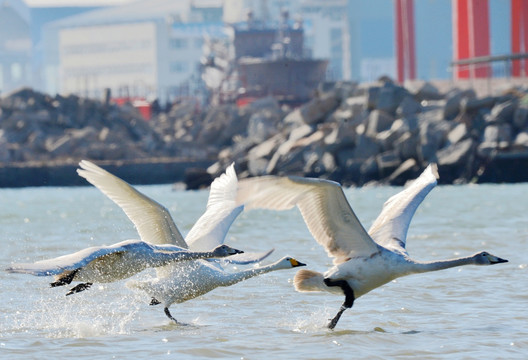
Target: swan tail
308,280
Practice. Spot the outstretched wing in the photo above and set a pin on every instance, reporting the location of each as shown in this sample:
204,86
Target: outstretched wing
151,219
211,228
245,258
390,228
323,205
58,265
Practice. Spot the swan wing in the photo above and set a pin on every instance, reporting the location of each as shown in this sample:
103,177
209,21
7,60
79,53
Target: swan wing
70,262
323,205
151,219
245,258
211,228
390,227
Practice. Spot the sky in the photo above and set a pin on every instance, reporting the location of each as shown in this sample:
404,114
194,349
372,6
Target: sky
45,3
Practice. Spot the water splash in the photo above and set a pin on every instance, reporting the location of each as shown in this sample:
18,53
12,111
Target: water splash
100,311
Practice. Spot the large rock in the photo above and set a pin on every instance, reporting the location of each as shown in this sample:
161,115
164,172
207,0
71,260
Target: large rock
220,125
433,135
390,97
520,115
407,170
408,107
455,162
456,154
503,112
521,140
407,146
387,138
457,134
365,147
378,121
352,110
495,137
455,99
262,125
314,111
387,163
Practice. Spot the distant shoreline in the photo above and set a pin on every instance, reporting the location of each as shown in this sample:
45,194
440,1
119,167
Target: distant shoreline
63,173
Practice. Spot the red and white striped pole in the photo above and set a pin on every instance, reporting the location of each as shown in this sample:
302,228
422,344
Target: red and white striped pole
471,36
519,36
405,48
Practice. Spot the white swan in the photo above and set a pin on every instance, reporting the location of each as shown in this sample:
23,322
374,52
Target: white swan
362,262
189,281
179,282
104,264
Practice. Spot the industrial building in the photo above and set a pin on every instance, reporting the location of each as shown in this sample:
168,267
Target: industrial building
151,48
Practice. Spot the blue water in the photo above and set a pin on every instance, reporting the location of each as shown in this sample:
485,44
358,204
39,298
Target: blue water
467,312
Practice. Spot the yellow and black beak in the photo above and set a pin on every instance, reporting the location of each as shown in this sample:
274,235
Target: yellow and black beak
296,263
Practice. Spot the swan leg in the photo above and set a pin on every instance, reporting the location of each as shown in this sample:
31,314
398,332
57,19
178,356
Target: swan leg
349,299
167,312
79,288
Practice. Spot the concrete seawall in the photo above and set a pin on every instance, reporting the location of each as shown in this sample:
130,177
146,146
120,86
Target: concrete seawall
145,171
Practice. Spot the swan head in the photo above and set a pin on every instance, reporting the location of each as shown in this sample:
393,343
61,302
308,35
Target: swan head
224,250
485,258
289,262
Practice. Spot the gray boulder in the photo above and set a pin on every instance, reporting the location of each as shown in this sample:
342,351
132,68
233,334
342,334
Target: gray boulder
521,140
407,145
378,121
408,107
455,100
409,169
503,112
387,163
390,97
458,133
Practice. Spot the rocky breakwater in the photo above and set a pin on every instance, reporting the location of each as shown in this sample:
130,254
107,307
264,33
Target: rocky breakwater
42,138
353,133
358,134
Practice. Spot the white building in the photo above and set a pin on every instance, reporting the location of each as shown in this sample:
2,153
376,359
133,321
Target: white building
15,45
328,35
142,49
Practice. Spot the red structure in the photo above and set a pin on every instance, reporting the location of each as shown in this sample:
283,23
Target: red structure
471,36
405,51
519,35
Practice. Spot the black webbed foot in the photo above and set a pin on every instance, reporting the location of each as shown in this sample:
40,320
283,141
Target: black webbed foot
154,301
79,288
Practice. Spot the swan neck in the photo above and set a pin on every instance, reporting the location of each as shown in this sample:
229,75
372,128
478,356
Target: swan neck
444,264
181,256
249,273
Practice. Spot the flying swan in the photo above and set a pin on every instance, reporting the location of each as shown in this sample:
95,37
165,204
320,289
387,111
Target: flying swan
179,282
362,261
103,264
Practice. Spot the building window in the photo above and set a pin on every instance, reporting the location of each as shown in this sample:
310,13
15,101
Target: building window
178,67
178,43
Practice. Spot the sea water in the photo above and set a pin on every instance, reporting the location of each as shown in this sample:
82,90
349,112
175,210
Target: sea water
468,312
